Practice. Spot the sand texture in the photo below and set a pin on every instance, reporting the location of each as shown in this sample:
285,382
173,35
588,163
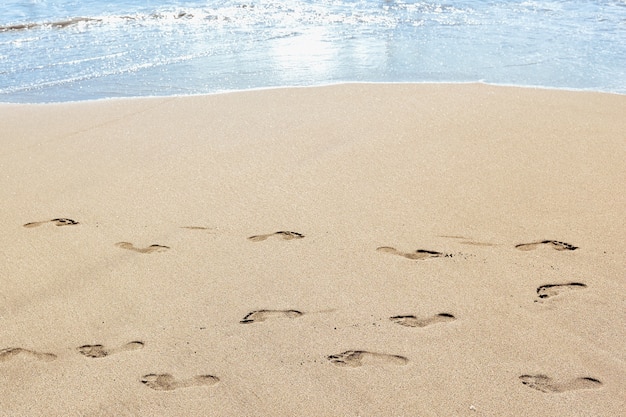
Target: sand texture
352,250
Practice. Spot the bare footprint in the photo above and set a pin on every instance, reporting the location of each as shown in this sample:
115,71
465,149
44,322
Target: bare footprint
554,244
166,382
418,254
551,290
149,249
412,321
57,222
356,358
197,228
258,316
99,351
10,353
546,384
283,234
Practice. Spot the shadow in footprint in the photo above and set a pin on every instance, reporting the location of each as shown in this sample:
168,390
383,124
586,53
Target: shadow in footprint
282,234
259,316
412,321
356,358
552,290
197,228
99,351
546,384
57,222
149,249
10,353
166,382
554,244
418,254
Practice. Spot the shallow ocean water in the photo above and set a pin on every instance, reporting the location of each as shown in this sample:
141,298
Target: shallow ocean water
67,50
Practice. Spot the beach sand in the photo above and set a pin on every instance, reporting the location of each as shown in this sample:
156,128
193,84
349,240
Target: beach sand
351,250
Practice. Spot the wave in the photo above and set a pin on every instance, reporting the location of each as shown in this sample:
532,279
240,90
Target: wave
285,13
59,24
64,23
279,14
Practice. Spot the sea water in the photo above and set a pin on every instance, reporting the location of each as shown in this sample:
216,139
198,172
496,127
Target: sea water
67,50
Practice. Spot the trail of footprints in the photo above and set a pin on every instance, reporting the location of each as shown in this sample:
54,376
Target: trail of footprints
349,358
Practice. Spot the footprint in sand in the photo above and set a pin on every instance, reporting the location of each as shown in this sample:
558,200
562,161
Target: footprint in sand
99,351
258,316
166,382
418,254
356,358
554,244
10,353
546,384
412,321
284,235
57,222
149,249
551,290
197,228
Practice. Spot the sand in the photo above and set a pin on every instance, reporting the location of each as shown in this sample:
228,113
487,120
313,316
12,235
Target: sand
350,250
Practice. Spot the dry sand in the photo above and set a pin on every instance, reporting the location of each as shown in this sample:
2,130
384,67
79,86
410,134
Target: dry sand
354,250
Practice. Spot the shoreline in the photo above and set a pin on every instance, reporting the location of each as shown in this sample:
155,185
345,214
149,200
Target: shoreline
357,249
339,83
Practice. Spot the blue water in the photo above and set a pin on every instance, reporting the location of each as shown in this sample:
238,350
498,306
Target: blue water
67,50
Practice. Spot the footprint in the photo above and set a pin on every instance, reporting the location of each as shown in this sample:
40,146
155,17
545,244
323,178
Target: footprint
166,382
258,316
551,290
554,244
356,358
412,321
10,353
99,351
57,222
546,384
284,235
149,249
418,254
